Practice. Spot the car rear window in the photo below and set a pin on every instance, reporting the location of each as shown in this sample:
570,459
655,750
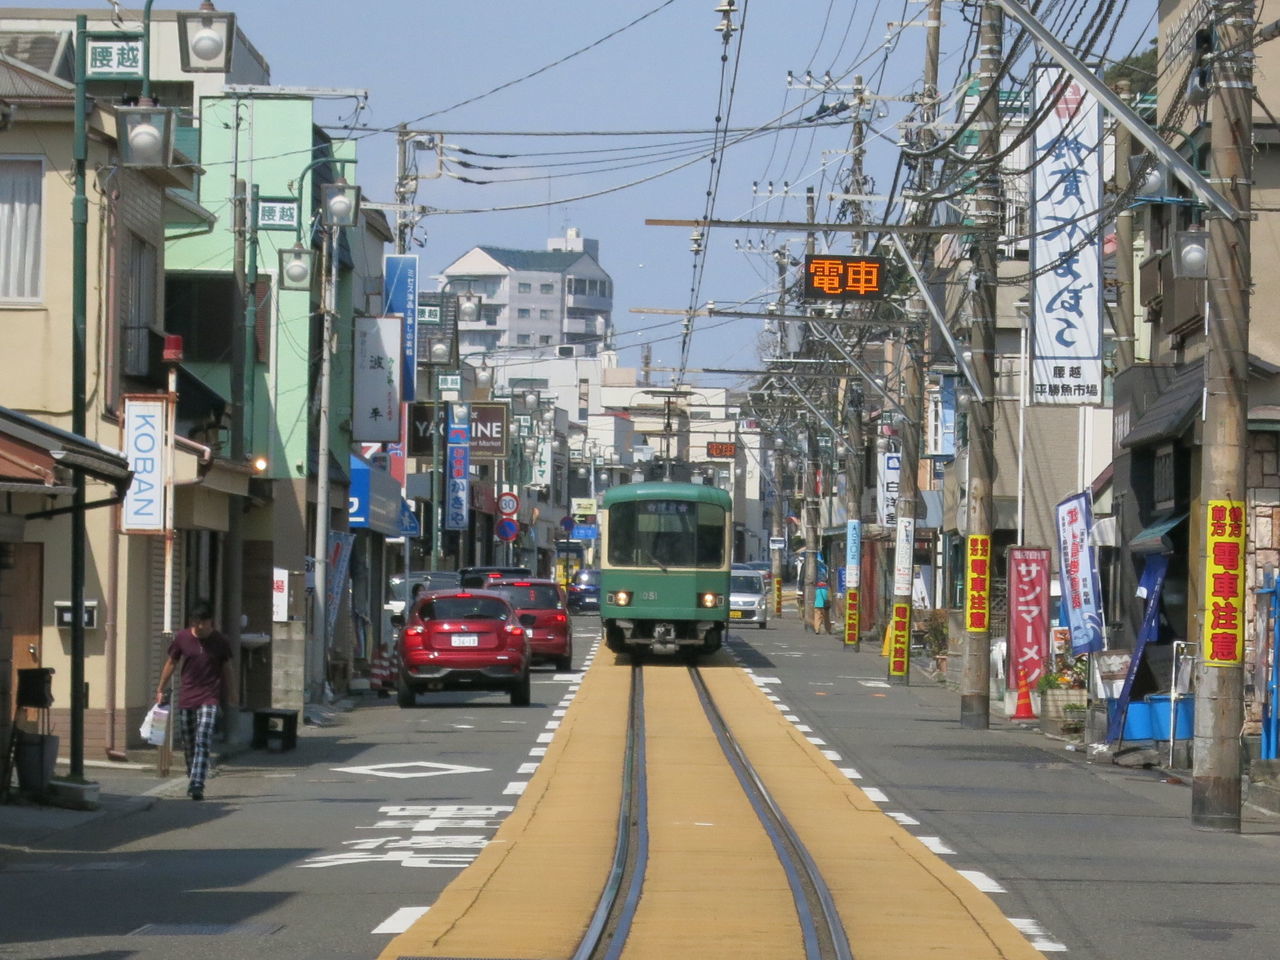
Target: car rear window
533,596
464,608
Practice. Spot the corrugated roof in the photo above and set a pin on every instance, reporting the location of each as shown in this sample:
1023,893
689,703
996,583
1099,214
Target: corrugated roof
1171,412
543,261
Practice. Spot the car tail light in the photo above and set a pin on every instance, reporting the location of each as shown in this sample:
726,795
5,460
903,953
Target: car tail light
415,636
514,631
559,618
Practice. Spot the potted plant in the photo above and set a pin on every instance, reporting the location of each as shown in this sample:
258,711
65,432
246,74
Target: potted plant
935,638
1073,715
1062,685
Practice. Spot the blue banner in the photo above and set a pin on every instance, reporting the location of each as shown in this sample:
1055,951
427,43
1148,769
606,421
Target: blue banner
400,296
1078,574
457,465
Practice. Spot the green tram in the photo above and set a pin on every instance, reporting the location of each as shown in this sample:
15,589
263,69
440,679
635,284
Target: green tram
664,567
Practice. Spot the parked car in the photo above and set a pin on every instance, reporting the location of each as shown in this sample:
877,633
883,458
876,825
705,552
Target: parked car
551,634
464,640
584,591
748,598
481,577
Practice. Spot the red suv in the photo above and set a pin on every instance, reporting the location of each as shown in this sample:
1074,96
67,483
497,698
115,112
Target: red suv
551,637
464,640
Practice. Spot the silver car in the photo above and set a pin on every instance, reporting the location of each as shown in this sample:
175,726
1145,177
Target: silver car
748,597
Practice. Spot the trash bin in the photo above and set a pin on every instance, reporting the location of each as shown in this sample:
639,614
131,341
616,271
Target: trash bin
1184,724
35,757
1137,720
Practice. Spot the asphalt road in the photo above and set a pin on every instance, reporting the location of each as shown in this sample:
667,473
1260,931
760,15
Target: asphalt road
327,851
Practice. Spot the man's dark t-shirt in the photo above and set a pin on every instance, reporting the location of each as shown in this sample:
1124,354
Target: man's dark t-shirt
202,669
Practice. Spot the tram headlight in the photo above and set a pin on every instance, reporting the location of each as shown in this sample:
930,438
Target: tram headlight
709,601
621,599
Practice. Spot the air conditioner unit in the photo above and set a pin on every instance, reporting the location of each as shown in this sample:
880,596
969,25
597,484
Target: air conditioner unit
566,350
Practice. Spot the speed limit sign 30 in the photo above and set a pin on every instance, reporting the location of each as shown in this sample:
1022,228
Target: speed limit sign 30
508,503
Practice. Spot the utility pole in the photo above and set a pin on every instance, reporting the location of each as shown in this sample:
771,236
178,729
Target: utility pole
233,560
779,525
1123,320
320,633
1219,715
810,491
975,677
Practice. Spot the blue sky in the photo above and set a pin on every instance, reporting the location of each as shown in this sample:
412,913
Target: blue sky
662,74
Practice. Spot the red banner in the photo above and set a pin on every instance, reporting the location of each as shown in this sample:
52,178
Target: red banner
1028,612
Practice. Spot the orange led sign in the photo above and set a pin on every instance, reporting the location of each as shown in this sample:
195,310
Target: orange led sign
840,277
722,451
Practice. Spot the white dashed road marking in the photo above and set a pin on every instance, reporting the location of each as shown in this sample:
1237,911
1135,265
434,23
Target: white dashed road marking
401,920
937,846
982,881
1037,934
875,794
851,773
516,787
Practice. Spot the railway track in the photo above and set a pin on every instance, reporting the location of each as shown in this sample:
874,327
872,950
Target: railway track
821,930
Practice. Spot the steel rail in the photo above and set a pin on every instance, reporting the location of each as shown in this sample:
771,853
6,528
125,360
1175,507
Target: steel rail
820,942
606,934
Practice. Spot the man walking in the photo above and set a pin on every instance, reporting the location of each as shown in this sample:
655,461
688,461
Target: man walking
822,608
205,658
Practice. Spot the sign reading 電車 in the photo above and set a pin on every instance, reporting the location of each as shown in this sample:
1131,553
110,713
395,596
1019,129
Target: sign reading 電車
843,277
720,450
977,583
1224,584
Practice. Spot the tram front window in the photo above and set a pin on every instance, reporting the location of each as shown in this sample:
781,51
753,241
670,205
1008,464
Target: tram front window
666,533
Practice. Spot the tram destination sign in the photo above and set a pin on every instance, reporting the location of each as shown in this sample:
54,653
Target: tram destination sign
719,450
843,277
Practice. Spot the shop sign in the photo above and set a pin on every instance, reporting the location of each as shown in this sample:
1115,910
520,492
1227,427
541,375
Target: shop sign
489,430
143,510
887,488
977,583
1224,584
1029,598
853,552
375,371
900,640
457,502
904,557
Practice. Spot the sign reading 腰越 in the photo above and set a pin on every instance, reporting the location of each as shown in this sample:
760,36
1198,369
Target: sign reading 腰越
143,510
842,277
1066,245
277,213
117,57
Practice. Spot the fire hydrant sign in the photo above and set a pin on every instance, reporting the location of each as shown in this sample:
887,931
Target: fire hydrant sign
1224,584
977,583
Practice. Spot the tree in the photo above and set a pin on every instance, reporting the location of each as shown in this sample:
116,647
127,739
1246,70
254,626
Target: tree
1139,70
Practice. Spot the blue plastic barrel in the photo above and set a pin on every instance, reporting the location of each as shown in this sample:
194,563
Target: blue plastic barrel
1137,721
1185,722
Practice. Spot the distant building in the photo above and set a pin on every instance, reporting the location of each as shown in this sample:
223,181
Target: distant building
558,300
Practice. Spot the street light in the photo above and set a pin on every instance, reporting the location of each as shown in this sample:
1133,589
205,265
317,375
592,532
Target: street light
295,267
206,39
146,138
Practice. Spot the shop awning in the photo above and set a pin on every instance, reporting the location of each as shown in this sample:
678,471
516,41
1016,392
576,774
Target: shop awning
39,457
1154,538
1172,412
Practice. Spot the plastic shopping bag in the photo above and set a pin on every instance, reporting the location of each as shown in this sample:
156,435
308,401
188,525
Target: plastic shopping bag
155,725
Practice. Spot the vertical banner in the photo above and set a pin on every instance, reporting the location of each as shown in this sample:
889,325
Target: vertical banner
335,581
375,380
1066,245
1078,574
904,556
777,596
1029,603
143,510
457,491
977,583
900,640
887,488
853,552
852,614
1224,584
400,296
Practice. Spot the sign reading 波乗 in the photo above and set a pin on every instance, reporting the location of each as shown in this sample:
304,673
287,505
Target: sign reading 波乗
1224,584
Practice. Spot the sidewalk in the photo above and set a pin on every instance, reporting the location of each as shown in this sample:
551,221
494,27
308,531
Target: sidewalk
125,788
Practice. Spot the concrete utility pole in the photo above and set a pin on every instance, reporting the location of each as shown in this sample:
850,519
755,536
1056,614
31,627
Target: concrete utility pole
809,512
1219,714
975,677
1123,321
233,561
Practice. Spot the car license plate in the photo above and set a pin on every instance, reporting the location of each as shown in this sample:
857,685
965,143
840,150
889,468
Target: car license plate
466,640
735,614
